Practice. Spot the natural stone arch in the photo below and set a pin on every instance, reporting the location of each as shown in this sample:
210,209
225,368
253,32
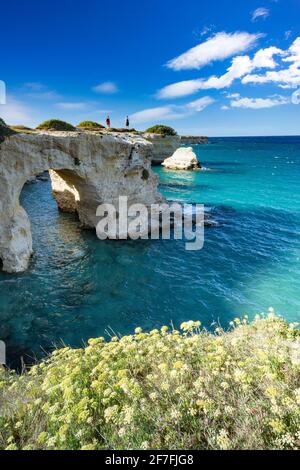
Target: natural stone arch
87,169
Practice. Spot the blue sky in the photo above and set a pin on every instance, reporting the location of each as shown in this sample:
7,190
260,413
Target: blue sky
224,67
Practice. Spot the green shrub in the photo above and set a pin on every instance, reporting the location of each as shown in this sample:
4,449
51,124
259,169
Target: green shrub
161,390
161,129
56,125
122,130
21,128
90,125
5,130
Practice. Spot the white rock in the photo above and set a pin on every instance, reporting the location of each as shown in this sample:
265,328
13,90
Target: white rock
183,159
163,146
88,169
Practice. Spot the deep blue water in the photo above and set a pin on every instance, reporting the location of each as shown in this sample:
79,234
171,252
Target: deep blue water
79,287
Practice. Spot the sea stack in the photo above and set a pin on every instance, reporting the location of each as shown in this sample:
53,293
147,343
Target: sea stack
183,159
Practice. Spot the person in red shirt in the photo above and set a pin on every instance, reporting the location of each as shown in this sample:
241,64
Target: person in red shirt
108,121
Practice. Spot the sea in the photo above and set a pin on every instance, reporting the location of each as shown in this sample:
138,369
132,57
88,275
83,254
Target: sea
78,287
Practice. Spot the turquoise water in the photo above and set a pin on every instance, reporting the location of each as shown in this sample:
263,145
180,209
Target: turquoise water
78,287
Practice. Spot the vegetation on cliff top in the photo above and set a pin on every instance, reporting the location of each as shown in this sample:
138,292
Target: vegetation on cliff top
5,130
21,128
56,125
162,390
161,129
90,125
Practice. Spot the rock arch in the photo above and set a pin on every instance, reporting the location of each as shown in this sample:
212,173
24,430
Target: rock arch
86,170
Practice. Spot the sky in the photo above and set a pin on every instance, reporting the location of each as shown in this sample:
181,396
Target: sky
217,68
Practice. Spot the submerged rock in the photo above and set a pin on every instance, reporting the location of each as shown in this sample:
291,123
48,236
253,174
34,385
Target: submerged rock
183,159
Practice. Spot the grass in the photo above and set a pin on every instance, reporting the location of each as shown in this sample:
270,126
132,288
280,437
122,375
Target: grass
166,389
56,125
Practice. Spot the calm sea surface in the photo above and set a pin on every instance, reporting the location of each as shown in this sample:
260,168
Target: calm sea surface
78,287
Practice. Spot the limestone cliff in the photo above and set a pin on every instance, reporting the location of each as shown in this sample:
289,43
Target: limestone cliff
163,146
88,169
193,140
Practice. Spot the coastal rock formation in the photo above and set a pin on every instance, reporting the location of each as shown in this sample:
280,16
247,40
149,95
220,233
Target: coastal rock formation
88,169
193,140
163,146
183,159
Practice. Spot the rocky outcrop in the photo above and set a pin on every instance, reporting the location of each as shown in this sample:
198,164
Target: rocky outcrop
183,159
163,146
88,169
193,140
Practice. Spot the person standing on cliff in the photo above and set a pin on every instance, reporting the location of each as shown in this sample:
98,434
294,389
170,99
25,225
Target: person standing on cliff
127,122
108,121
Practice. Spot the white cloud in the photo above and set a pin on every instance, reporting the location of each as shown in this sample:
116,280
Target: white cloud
150,114
71,105
184,88
233,96
287,34
264,58
171,111
259,103
240,66
294,50
219,47
108,88
15,112
260,13
285,78
200,104
296,97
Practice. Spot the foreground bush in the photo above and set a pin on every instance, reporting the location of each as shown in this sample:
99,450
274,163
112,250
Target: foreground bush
90,125
162,390
160,129
56,125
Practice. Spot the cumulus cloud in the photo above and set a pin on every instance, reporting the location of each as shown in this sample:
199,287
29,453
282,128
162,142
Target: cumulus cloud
259,103
264,58
262,13
108,88
240,66
171,111
219,47
286,78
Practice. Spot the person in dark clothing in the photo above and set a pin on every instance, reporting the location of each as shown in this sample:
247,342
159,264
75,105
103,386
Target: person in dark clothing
108,121
127,122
